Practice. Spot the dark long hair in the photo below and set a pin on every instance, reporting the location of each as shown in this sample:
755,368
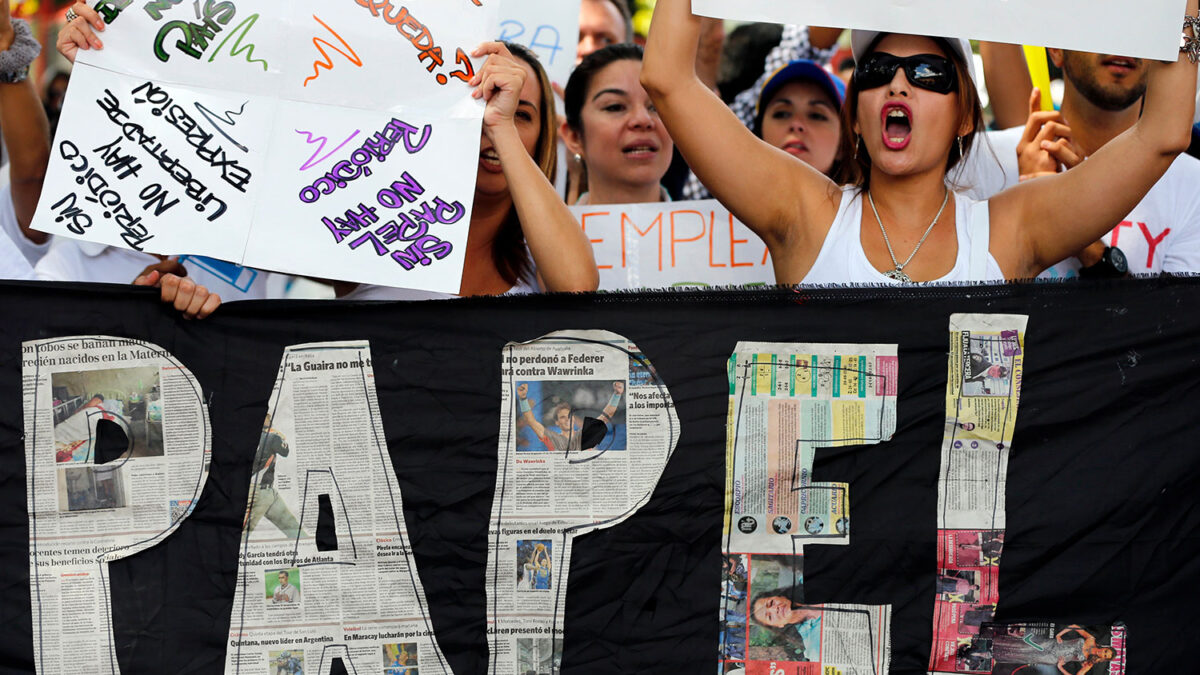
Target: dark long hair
575,95
856,161
509,253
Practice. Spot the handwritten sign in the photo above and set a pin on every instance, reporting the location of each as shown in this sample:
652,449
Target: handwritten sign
548,27
1148,30
337,141
673,244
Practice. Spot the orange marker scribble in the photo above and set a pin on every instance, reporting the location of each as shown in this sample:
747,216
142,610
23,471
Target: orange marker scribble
327,63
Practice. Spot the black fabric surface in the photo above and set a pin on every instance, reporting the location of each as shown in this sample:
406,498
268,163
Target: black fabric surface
1103,522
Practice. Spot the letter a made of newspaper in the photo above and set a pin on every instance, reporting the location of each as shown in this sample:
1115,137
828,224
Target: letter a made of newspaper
301,600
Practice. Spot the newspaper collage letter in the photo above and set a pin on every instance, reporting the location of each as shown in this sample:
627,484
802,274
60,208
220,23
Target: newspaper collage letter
983,392
1150,30
586,429
672,245
337,140
117,451
785,402
308,591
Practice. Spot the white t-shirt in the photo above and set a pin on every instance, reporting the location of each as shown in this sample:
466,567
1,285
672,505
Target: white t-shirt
843,261
72,260
1161,234
13,264
17,239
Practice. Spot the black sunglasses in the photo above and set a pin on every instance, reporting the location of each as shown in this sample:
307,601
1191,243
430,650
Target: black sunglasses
927,71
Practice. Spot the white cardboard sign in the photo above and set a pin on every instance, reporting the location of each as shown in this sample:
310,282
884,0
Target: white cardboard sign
548,27
1147,29
673,244
336,140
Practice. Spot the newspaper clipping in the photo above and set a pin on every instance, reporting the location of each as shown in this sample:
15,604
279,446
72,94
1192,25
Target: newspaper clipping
785,402
982,395
117,451
1043,647
326,571
586,428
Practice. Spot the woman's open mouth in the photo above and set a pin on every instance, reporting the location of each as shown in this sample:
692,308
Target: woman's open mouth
640,150
489,159
897,125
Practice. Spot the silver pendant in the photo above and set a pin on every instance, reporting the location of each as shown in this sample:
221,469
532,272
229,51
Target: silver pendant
898,275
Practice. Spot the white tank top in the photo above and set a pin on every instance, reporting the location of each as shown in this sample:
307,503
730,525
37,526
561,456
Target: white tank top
842,260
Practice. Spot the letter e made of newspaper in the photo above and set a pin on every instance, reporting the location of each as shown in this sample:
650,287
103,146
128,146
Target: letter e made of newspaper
326,570
586,428
786,401
117,451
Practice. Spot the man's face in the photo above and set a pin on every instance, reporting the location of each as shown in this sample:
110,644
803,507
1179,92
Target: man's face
283,578
563,419
1112,83
600,25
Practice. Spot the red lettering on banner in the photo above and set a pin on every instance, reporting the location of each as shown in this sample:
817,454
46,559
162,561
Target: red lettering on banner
733,242
583,225
1152,242
675,240
657,223
712,228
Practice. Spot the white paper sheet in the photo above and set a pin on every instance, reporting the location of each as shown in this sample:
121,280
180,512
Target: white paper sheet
275,139
691,244
1147,29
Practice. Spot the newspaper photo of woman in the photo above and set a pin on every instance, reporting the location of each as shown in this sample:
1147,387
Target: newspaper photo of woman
788,629
1028,650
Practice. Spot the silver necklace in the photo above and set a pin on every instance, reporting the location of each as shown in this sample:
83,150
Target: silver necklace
898,273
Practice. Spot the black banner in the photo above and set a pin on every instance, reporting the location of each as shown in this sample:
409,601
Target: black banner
1103,480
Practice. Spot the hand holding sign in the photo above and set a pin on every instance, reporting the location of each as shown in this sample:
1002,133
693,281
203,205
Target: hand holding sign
500,82
78,33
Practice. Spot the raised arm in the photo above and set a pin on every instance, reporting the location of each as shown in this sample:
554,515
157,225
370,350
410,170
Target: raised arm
526,408
611,409
771,192
558,244
1034,226
1008,82
25,128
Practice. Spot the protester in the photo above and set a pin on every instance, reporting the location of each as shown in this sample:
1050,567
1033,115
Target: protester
602,23
911,111
796,43
27,141
612,125
1102,98
799,113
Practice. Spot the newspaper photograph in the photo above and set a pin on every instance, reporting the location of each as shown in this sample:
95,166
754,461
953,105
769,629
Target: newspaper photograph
766,627
586,429
325,566
982,395
1043,648
785,402
117,451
